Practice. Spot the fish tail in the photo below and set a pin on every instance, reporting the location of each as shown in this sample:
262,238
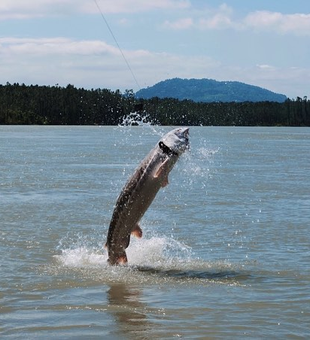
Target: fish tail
118,260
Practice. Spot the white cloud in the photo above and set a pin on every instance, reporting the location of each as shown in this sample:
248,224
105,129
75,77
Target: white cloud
93,64
90,63
180,24
20,9
130,6
298,23
218,21
205,19
54,46
220,18
24,9
265,66
224,17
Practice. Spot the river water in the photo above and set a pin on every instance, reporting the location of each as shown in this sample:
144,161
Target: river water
226,246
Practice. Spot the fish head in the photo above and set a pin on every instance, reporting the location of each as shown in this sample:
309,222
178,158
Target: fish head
177,140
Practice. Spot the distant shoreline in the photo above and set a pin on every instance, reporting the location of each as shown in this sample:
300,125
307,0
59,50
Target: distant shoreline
54,105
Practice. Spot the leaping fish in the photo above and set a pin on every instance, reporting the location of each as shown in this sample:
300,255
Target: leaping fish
140,191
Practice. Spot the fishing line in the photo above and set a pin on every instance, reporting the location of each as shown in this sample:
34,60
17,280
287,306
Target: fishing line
117,44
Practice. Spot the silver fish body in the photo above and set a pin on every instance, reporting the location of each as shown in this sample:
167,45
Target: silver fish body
140,191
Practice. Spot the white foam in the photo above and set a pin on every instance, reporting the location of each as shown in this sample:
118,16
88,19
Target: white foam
157,251
154,251
81,257
154,260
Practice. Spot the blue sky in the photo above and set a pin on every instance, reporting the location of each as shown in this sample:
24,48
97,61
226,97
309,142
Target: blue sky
259,42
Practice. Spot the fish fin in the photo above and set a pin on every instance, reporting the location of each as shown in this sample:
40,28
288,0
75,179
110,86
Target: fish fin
122,259
161,168
158,172
165,182
137,231
162,172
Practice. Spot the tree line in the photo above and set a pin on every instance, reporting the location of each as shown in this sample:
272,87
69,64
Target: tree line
55,105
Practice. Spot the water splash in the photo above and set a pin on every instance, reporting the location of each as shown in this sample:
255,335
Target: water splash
130,123
197,165
157,252
153,251
137,119
81,250
144,120
154,260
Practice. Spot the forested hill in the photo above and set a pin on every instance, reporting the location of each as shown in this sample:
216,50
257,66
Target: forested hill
208,90
55,105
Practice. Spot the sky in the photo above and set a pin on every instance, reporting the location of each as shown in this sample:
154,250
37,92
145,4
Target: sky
133,44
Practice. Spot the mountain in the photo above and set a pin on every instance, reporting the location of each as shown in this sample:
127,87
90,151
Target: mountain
209,90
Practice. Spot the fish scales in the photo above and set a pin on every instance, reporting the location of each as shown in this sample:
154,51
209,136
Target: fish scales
139,192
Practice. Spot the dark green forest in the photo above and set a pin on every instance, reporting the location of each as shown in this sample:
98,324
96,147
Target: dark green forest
55,105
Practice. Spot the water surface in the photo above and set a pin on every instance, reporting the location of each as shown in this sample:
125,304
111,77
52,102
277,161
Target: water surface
226,244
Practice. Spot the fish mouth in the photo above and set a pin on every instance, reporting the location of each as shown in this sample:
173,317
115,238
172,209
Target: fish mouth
186,136
177,140
183,135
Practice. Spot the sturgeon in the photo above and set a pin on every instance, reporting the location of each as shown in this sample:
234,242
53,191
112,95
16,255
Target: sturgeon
140,191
